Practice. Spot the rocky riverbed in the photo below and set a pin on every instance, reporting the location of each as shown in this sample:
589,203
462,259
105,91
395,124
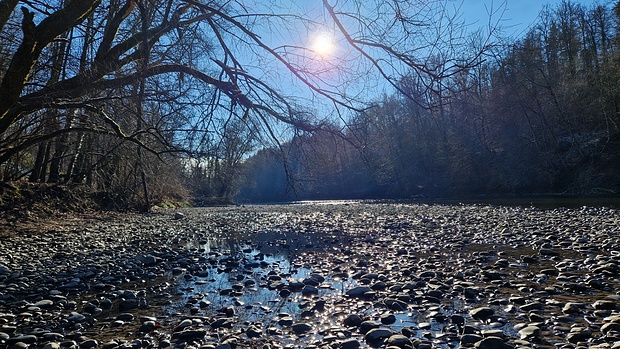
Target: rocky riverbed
316,275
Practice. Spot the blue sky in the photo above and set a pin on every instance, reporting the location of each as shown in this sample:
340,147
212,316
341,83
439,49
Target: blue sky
517,15
346,71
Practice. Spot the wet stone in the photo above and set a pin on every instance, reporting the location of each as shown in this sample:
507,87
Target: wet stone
493,343
493,333
398,340
481,313
457,319
189,334
309,290
395,304
44,304
147,327
578,334
425,325
612,326
368,325
183,324
26,339
128,304
301,328
352,320
76,317
532,306
388,319
572,308
253,332
359,291
604,305
470,339
530,333
377,334
52,336
284,321
350,343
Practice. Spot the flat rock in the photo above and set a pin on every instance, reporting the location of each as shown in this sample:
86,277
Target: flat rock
301,328
350,343
532,306
493,343
358,291
481,313
604,305
398,340
378,333
530,333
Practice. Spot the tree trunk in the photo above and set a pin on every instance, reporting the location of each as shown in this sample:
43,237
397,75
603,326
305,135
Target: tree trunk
6,8
37,170
35,39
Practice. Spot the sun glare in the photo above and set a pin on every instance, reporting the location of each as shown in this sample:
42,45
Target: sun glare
323,44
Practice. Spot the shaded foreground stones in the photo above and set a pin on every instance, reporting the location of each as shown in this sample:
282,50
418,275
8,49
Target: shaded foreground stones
320,276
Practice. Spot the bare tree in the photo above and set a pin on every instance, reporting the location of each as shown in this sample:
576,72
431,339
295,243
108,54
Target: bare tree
166,74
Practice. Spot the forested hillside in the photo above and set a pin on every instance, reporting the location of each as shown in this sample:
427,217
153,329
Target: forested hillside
537,115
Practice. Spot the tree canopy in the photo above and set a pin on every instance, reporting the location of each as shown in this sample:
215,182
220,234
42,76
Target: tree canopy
85,82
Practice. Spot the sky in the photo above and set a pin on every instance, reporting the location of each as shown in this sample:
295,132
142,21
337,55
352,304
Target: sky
517,15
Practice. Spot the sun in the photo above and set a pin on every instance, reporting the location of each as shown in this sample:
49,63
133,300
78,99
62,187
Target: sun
323,44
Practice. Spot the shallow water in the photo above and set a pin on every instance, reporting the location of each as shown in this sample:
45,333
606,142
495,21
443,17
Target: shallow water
428,254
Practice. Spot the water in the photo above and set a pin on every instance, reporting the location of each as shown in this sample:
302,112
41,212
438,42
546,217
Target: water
241,278
241,267
241,283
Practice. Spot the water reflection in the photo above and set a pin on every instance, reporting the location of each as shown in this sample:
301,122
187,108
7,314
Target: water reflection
263,281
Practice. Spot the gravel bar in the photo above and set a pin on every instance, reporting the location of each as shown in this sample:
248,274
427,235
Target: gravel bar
316,275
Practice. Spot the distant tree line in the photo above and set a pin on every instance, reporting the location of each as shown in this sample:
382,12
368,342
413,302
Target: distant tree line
538,115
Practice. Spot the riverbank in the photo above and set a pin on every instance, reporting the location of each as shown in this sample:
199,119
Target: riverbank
343,275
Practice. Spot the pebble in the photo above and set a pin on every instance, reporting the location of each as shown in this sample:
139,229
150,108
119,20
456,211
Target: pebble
506,265
398,340
532,306
352,320
350,343
470,339
493,343
530,333
76,317
359,291
376,334
604,305
481,313
388,319
189,334
301,328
